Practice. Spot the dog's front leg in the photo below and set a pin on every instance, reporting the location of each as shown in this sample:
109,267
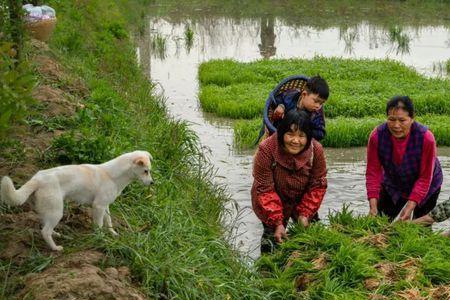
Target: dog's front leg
98,213
109,222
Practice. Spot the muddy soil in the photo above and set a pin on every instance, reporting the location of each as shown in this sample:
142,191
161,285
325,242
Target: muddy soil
78,276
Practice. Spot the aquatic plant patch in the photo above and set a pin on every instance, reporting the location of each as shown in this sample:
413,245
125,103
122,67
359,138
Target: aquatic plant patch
345,132
359,90
359,258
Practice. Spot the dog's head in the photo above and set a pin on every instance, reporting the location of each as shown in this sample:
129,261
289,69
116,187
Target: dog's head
142,167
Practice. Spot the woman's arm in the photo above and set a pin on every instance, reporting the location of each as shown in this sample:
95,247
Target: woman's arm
312,199
374,172
422,184
266,202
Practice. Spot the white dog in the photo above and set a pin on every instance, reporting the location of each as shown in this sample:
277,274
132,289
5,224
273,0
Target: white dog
98,185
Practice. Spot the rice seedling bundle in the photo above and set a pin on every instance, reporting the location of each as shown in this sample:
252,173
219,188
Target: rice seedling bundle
359,258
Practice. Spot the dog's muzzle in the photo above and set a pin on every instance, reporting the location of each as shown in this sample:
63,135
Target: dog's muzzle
148,182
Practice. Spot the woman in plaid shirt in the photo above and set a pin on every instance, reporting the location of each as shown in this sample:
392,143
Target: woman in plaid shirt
289,173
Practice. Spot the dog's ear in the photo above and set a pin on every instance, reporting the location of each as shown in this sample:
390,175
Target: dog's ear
139,161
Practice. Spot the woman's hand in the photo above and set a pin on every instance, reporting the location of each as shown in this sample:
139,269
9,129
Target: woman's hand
373,202
303,220
280,233
408,210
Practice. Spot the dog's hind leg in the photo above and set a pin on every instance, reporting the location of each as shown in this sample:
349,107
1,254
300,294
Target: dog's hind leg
109,222
49,205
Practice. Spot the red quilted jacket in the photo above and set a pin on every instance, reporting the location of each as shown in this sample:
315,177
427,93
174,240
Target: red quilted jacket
287,185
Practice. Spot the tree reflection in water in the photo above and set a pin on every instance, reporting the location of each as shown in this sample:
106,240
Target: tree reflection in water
267,47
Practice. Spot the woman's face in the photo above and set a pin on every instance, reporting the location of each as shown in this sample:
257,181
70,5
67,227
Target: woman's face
399,122
294,140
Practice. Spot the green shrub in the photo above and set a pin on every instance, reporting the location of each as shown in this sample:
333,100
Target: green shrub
69,149
17,83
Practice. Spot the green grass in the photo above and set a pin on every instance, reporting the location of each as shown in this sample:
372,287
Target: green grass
171,235
338,261
359,90
357,87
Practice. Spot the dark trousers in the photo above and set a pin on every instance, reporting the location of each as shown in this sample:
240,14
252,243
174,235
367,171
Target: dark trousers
268,243
387,207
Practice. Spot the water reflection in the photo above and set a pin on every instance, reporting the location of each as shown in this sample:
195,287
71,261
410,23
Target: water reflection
400,39
159,45
442,68
396,38
349,36
188,38
267,47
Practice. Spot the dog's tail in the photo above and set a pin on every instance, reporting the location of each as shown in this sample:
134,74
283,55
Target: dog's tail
11,196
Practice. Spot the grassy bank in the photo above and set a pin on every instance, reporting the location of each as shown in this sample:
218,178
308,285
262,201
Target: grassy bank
359,258
170,236
359,91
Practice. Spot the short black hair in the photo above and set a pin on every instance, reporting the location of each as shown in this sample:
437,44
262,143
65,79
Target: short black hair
403,102
300,120
318,85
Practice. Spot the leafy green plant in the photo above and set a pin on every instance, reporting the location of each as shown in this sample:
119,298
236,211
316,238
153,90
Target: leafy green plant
69,149
117,30
17,83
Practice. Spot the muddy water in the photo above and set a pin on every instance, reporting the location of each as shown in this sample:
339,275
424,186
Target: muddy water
172,61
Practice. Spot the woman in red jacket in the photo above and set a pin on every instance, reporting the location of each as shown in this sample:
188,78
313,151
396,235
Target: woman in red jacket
289,173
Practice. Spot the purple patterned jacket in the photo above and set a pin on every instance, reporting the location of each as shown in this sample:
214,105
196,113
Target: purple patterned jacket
399,180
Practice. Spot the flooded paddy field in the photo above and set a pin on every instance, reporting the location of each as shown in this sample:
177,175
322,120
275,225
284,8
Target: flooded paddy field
178,37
